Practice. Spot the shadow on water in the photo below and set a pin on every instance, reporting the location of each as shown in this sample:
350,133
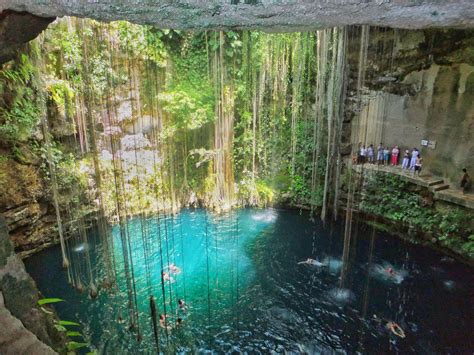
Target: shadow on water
245,291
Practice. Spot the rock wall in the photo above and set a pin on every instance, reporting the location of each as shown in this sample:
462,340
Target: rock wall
15,338
25,205
20,297
17,28
424,92
289,15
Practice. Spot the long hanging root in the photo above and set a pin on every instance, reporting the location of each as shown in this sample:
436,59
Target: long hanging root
154,323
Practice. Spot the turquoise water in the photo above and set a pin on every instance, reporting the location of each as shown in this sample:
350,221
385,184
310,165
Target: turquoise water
246,292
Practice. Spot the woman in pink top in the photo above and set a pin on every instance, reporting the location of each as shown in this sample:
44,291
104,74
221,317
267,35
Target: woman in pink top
395,153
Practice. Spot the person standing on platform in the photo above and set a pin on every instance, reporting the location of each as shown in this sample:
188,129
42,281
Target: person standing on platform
465,181
380,154
406,160
395,153
418,165
371,154
414,154
363,154
386,155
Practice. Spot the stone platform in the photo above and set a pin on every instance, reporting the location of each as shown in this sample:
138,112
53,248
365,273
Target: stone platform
438,186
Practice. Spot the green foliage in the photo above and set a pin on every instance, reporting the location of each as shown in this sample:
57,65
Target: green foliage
62,95
265,193
189,112
73,334
143,42
67,322
20,101
468,247
44,301
61,326
73,345
393,198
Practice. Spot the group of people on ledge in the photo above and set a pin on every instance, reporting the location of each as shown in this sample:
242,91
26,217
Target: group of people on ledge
412,161
383,155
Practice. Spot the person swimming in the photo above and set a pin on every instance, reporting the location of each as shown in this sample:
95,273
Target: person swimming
166,277
391,326
164,323
311,262
395,329
174,269
182,305
386,272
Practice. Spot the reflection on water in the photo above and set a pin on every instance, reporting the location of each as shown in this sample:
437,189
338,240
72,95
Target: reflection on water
449,284
81,248
269,215
334,265
341,295
245,291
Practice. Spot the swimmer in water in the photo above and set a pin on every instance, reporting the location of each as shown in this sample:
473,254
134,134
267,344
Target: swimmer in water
391,326
388,273
311,262
163,323
182,305
395,329
179,322
167,277
174,269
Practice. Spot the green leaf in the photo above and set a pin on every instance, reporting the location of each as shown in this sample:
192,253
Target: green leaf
74,345
67,322
73,334
44,301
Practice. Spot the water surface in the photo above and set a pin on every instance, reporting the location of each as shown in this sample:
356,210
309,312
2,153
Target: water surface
246,292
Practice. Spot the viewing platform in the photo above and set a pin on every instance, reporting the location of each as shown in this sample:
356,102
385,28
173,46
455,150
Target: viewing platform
438,186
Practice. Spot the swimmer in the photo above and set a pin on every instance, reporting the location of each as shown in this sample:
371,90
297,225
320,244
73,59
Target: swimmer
395,329
174,269
182,305
391,326
163,322
387,272
311,262
179,322
166,277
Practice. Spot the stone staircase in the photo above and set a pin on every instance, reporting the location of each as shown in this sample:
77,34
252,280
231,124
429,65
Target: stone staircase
437,185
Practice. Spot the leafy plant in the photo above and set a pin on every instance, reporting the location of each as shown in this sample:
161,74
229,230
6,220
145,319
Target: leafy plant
44,301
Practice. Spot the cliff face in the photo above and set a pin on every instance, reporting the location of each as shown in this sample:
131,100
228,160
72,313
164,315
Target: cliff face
25,196
420,86
289,15
19,303
25,205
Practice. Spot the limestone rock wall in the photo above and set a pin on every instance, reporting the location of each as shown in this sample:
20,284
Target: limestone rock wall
289,15
424,92
17,28
25,205
16,339
20,297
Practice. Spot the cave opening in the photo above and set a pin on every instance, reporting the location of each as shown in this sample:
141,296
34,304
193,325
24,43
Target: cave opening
229,190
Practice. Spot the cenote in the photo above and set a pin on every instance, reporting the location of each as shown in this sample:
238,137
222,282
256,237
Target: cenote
246,292
239,177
